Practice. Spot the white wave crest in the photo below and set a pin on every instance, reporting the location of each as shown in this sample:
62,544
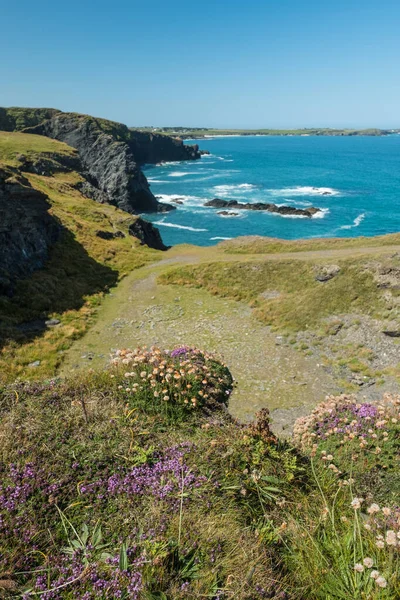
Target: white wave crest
357,221
240,186
230,189
186,200
220,238
321,214
175,226
304,190
181,173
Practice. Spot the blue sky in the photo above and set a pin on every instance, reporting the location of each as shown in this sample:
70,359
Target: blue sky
220,63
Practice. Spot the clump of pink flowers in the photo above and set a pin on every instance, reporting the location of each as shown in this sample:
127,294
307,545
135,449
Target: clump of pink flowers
185,377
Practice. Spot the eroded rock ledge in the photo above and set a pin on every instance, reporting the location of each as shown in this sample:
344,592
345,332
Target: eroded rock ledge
282,210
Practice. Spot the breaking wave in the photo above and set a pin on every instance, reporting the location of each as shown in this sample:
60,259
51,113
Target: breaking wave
357,221
304,190
175,226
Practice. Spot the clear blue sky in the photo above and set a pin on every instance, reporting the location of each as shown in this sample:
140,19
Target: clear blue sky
218,63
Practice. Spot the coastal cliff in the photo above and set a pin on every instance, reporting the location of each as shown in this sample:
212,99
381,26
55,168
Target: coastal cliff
27,230
110,154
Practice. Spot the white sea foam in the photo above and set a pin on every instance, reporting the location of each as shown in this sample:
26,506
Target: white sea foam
231,215
227,189
220,238
181,173
357,221
187,200
304,190
175,226
321,214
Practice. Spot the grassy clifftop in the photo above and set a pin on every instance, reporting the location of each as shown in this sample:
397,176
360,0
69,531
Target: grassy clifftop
81,268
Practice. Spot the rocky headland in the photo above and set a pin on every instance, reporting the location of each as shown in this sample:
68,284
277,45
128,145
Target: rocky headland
261,206
110,153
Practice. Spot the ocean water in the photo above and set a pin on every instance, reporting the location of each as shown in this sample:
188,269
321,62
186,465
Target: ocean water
354,180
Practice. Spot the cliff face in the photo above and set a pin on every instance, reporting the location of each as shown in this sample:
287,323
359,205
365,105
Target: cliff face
110,164
155,148
27,230
110,153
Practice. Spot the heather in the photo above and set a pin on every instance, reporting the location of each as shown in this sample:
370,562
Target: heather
135,482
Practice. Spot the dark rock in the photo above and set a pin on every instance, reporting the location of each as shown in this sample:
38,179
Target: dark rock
326,273
282,210
163,207
110,235
152,148
147,234
27,230
394,333
91,191
227,213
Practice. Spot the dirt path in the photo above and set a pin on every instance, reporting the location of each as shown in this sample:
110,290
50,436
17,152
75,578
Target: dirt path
268,372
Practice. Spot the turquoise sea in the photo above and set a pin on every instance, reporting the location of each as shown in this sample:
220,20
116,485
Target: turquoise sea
355,180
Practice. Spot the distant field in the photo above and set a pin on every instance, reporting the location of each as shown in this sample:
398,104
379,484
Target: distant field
199,133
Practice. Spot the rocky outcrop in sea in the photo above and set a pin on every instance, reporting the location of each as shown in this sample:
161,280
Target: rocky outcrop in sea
282,210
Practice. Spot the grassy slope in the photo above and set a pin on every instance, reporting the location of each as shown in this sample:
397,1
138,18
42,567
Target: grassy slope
81,268
266,245
298,301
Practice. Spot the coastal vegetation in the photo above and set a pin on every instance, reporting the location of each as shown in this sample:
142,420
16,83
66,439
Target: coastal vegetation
136,483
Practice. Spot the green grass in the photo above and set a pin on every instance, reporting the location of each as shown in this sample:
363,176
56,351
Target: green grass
37,146
265,245
303,302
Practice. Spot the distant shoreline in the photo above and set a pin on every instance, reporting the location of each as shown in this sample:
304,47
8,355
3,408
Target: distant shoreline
198,133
